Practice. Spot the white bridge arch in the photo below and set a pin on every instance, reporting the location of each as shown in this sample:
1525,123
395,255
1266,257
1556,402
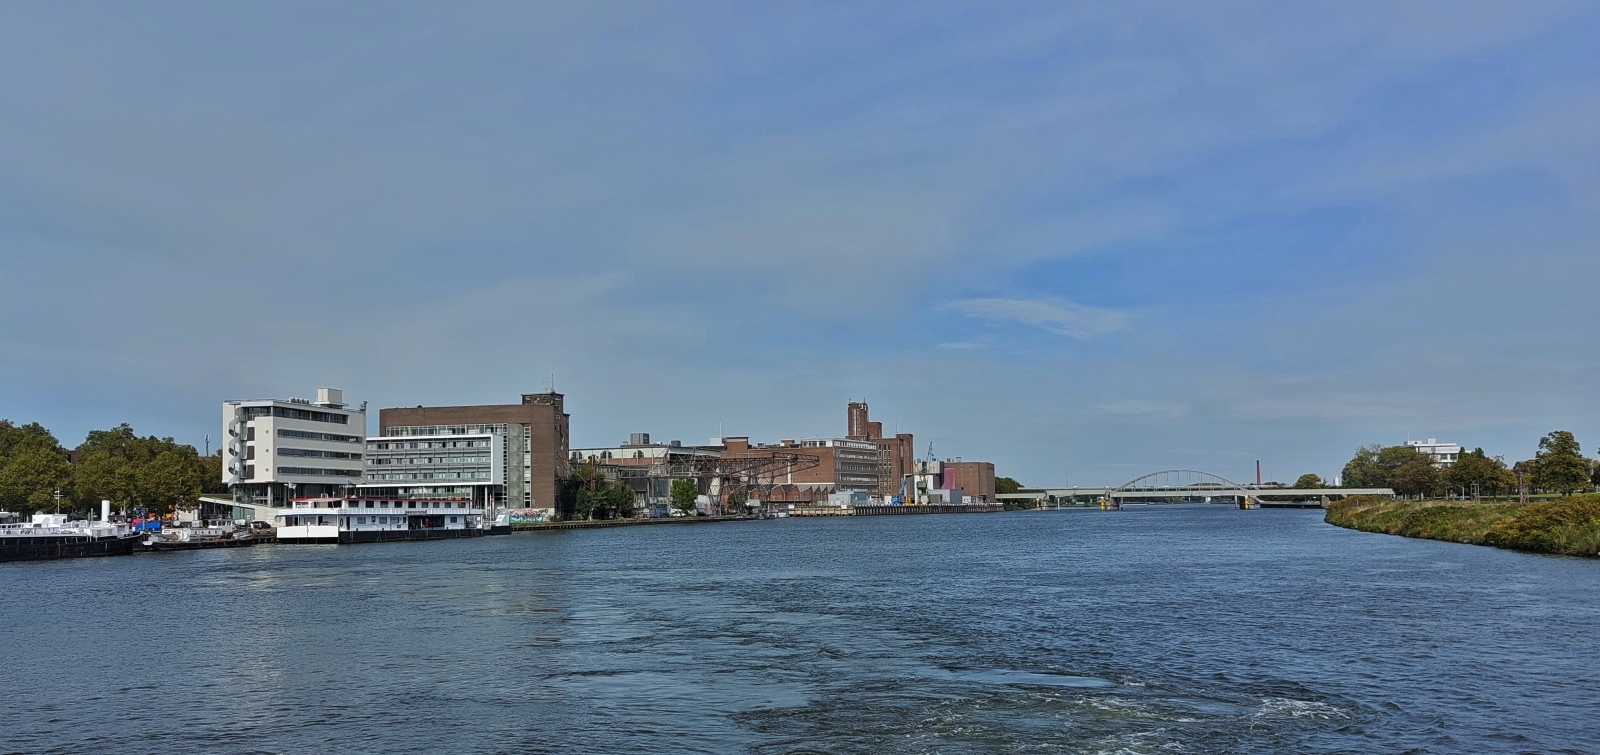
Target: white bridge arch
1182,484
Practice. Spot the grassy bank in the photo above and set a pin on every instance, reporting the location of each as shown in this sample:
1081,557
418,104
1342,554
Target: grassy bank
1568,526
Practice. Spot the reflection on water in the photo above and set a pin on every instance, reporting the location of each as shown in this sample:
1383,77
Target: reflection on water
1171,629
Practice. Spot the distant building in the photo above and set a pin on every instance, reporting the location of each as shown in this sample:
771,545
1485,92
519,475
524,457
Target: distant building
649,468
277,449
1444,454
974,478
846,464
533,437
894,455
640,452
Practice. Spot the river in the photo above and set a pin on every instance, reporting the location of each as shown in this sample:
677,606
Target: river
1170,629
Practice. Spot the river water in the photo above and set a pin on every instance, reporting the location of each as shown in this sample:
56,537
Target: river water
1171,629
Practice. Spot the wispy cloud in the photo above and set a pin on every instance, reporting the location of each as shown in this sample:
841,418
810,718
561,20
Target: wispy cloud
1058,316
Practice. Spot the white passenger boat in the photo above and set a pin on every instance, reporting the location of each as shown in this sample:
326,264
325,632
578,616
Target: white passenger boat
356,519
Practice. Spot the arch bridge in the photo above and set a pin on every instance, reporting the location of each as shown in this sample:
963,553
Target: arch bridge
1175,485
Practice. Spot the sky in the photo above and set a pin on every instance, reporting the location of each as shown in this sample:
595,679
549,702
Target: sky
1084,241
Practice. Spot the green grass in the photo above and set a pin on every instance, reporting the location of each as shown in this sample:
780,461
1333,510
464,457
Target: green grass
1567,526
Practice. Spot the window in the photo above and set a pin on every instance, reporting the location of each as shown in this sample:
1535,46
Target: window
361,520
452,520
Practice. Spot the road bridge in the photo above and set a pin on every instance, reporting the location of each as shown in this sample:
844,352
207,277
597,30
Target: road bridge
1185,485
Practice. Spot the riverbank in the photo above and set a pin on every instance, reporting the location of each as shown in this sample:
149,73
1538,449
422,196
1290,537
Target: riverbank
1567,526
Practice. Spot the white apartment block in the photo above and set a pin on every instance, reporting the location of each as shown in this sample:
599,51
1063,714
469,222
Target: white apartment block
275,450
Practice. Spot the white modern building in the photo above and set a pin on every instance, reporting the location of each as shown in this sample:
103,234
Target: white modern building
277,450
470,466
1444,454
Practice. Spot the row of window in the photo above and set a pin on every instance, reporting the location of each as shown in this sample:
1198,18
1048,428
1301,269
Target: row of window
397,519
310,454
316,472
444,429
308,435
251,412
411,504
467,475
432,444
411,460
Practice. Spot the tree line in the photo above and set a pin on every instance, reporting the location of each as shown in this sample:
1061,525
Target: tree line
154,474
1558,467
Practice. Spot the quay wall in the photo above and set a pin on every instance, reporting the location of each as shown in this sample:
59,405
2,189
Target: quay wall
938,508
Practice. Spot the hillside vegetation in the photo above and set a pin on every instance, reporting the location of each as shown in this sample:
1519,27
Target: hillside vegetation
1568,526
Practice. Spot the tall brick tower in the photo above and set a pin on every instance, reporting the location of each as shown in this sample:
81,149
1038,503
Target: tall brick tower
856,425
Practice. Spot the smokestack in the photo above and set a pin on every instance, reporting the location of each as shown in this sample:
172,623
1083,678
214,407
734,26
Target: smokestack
105,510
1258,471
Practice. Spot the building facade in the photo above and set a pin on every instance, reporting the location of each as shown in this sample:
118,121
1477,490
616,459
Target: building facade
975,479
846,464
1443,454
533,437
469,466
894,455
275,450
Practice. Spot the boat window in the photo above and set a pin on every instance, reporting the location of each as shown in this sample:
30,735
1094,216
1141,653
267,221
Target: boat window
452,520
369,504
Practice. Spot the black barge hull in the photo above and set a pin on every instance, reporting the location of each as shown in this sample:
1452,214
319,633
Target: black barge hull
392,536
65,547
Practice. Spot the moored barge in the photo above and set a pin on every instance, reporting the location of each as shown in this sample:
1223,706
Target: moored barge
361,519
52,536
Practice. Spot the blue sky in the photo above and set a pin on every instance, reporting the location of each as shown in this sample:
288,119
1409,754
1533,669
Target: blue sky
1084,241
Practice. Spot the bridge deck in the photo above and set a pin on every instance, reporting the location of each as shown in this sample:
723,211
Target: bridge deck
1035,494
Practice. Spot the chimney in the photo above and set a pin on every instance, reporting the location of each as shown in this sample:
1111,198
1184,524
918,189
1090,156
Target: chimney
105,510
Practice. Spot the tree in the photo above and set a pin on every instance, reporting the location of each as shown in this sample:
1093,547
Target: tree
210,470
30,477
1309,482
1006,485
620,500
1376,466
1476,471
684,493
33,467
169,481
13,438
1559,465
1416,477
1362,471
